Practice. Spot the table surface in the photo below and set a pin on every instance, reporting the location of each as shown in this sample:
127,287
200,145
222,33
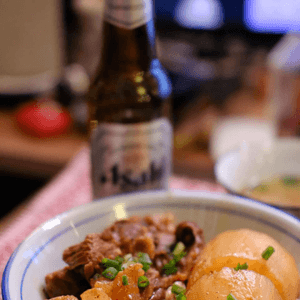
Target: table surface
30,156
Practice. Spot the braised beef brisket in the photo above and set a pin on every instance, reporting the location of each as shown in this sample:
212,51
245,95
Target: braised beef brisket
155,235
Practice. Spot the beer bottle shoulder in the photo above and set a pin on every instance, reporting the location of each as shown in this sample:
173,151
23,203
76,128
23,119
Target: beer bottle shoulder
137,87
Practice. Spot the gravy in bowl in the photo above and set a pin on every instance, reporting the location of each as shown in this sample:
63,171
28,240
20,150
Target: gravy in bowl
280,190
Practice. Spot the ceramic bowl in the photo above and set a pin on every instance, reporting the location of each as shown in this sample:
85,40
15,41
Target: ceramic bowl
41,252
252,163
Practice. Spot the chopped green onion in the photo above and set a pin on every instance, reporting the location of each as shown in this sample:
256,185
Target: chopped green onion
111,263
268,252
178,257
289,180
145,260
241,267
146,267
180,296
110,273
124,280
170,267
176,289
178,254
178,251
127,257
178,248
144,257
231,297
119,259
143,281
127,264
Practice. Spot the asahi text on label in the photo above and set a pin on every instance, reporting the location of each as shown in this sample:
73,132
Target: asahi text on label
131,157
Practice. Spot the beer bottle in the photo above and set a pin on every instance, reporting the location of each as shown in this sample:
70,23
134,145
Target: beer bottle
129,105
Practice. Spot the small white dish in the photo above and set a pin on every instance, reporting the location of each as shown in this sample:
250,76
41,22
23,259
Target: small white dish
252,163
41,252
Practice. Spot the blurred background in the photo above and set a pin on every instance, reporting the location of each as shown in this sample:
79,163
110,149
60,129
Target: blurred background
219,55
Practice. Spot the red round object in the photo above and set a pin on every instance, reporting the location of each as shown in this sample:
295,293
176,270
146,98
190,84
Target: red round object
43,119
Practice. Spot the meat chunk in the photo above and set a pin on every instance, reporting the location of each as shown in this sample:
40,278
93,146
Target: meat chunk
90,253
191,235
163,242
144,244
123,233
65,282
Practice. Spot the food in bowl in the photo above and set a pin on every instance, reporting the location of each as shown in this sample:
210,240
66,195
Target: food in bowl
280,190
231,284
247,263
134,247
152,258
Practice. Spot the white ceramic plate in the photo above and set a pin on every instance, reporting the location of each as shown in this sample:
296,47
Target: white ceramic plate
41,252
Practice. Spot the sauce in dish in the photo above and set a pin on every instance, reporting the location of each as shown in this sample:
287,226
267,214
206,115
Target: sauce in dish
281,191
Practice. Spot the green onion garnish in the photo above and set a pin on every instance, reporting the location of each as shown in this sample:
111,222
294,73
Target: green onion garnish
145,260
178,254
176,289
111,263
288,180
178,248
170,267
124,280
146,267
268,252
127,257
127,264
144,257
119,259
143,281
178,251
178,257
241,267
110,273
231,297
180,296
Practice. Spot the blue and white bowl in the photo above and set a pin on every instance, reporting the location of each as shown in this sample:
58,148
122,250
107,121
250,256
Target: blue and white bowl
41,252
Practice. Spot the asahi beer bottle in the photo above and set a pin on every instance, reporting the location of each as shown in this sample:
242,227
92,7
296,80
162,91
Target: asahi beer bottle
129,105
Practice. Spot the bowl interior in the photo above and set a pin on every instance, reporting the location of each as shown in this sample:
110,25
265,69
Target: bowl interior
41,252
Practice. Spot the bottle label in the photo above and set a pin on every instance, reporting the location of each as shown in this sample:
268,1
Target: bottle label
128,14
131,157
